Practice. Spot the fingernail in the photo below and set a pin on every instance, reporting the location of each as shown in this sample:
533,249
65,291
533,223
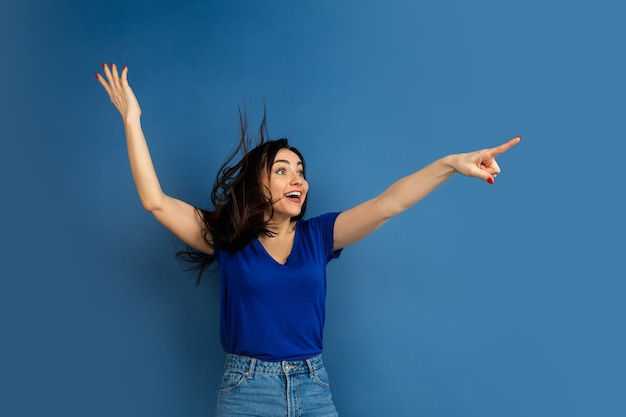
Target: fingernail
104,65
112,65
490,180
124,67
97,75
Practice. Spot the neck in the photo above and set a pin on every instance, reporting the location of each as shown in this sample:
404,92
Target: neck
281,228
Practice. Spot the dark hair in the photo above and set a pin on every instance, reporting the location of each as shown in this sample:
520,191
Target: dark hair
238,198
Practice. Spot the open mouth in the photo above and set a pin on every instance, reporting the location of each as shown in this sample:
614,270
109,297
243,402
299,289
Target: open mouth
294,196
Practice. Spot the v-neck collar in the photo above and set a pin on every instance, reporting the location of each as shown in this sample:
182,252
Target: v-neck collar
293,247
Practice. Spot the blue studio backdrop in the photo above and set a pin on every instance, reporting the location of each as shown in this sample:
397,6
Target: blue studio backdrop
481,301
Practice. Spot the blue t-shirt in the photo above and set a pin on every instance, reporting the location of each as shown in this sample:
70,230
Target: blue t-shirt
276,312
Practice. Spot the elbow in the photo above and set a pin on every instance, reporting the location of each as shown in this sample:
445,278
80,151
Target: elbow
151,204
386,208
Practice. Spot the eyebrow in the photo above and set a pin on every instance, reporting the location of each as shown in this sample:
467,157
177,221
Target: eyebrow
286,162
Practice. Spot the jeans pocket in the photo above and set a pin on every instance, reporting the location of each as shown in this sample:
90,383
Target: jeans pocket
320,376
231,381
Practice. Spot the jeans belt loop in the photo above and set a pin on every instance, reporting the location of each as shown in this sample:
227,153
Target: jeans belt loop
250,372
310,366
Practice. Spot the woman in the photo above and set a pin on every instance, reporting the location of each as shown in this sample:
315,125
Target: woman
271,261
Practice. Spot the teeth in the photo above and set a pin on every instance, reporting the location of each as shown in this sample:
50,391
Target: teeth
294,194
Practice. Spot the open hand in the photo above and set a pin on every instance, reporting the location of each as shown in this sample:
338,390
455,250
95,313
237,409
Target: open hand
120,93
482,164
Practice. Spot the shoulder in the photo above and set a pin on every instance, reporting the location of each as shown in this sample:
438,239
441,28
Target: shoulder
320,232
320,221
319,228
323,224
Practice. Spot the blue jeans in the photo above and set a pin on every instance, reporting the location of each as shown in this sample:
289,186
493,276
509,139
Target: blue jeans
251,387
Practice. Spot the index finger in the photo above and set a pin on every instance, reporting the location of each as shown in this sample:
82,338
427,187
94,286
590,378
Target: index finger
124,76
499,150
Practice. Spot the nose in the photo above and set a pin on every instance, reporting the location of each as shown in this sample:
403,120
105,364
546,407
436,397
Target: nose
296,178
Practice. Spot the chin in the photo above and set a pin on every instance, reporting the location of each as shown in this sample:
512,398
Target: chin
292,215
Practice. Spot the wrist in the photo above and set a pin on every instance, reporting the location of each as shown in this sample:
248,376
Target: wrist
449,163
134,119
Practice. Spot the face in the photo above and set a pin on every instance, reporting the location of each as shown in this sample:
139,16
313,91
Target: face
287,184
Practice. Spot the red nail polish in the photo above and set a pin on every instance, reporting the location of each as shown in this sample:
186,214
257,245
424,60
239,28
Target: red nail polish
104,65
490,180
97,76
124,67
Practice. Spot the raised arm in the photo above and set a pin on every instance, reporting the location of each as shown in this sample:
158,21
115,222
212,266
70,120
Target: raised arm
354,224
179,217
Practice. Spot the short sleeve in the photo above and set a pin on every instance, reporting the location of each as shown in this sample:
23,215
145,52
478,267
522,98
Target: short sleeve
326,226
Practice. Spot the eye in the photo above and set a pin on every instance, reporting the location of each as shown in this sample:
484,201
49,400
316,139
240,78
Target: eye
281,171
301,173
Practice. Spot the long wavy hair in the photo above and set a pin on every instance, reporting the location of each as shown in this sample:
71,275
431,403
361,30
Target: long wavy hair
240,202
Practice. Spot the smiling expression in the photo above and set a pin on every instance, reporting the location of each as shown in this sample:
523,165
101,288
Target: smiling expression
286,184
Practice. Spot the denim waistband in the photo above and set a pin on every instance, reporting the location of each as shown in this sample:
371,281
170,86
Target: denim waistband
253,365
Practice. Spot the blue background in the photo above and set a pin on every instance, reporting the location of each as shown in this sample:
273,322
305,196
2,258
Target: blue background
503,300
